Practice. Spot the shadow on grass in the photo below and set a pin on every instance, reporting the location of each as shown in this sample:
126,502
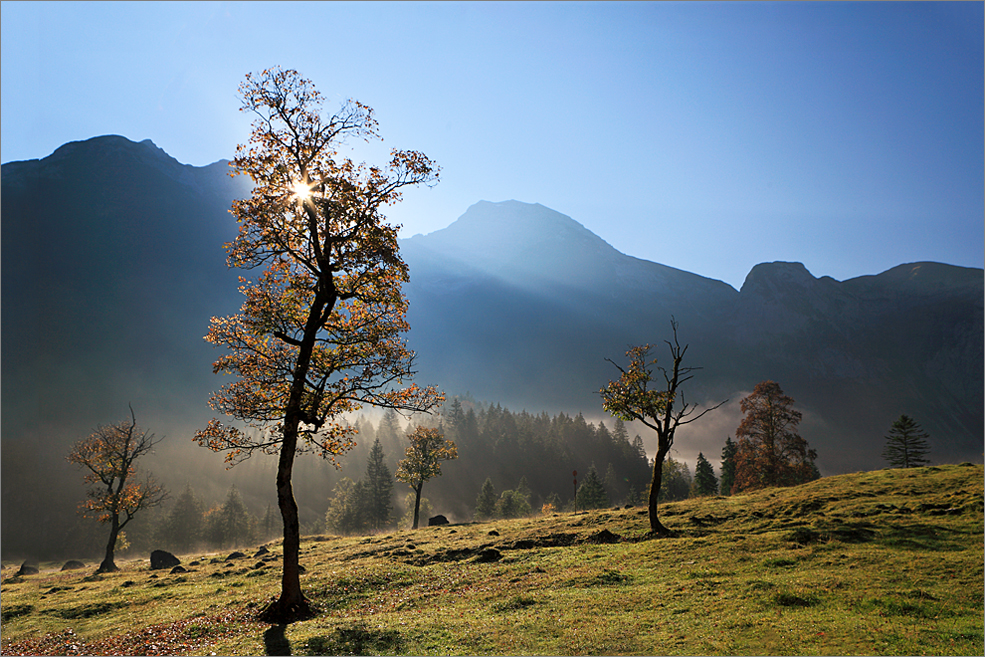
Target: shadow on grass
275,641
357,641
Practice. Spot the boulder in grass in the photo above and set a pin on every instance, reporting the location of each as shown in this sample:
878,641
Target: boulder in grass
178,569
72,564
28,569
160,559
235,555
437,521
262,551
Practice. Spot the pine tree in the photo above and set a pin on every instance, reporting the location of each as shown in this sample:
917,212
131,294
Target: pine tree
906,444
591,493
378,488
705,481
676,480
619,433
485,503
728,466
612,484
184,525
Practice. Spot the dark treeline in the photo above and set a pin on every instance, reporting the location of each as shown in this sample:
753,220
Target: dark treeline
506,447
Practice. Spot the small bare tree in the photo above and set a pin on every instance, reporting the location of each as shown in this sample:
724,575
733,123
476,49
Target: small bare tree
110,455
631,398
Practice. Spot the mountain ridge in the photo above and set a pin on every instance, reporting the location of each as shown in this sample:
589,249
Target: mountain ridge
528,300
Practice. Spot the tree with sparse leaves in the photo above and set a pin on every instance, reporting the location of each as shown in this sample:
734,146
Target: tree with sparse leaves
663,410
320,332
428,448
906,444
110,455
770,452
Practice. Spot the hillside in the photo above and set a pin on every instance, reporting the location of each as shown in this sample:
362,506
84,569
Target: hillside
884,562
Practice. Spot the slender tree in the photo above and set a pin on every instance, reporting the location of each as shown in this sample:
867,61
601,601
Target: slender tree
347,507
770,452
110,455
320,331
485,503
184,525
591,493
906,444
632,398
705,481
676,480
728,466
379,488
422,461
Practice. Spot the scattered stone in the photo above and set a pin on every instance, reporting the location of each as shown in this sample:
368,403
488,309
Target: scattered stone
493,532
160,559
262,551
235,555
259,564
127,583
437,520
27,569
72,564
195,563
178,569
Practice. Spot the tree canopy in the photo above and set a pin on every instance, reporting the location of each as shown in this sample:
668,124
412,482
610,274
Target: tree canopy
320,330
770,452
422,461
110,456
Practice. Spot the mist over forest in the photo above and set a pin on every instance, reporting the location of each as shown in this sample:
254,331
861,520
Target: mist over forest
113,265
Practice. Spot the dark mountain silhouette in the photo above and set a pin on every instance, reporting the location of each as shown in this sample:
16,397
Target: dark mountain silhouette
112,266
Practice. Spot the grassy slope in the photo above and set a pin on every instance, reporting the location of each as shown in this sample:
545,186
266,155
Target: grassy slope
876,562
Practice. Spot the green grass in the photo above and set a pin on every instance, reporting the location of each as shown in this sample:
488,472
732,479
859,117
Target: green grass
885,562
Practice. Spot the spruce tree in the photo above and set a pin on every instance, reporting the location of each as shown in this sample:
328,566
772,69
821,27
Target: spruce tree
183,528
591,493
485,503
705,481
378,488
906,444
728,466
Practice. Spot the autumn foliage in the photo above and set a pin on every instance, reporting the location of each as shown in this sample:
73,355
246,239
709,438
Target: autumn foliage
109,455
769,451
422,461
663,408
320,330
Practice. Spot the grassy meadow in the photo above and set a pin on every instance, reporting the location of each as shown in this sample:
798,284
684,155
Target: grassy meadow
883,562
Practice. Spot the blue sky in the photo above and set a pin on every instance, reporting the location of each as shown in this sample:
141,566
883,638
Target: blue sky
705,136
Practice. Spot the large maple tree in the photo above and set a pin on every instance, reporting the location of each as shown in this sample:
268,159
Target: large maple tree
320,331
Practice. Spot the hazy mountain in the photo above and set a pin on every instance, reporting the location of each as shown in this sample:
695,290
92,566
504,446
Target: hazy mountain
521,304
112,266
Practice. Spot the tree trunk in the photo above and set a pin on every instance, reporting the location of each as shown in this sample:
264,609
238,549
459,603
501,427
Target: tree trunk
656,527
291,605
109,564
417,503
